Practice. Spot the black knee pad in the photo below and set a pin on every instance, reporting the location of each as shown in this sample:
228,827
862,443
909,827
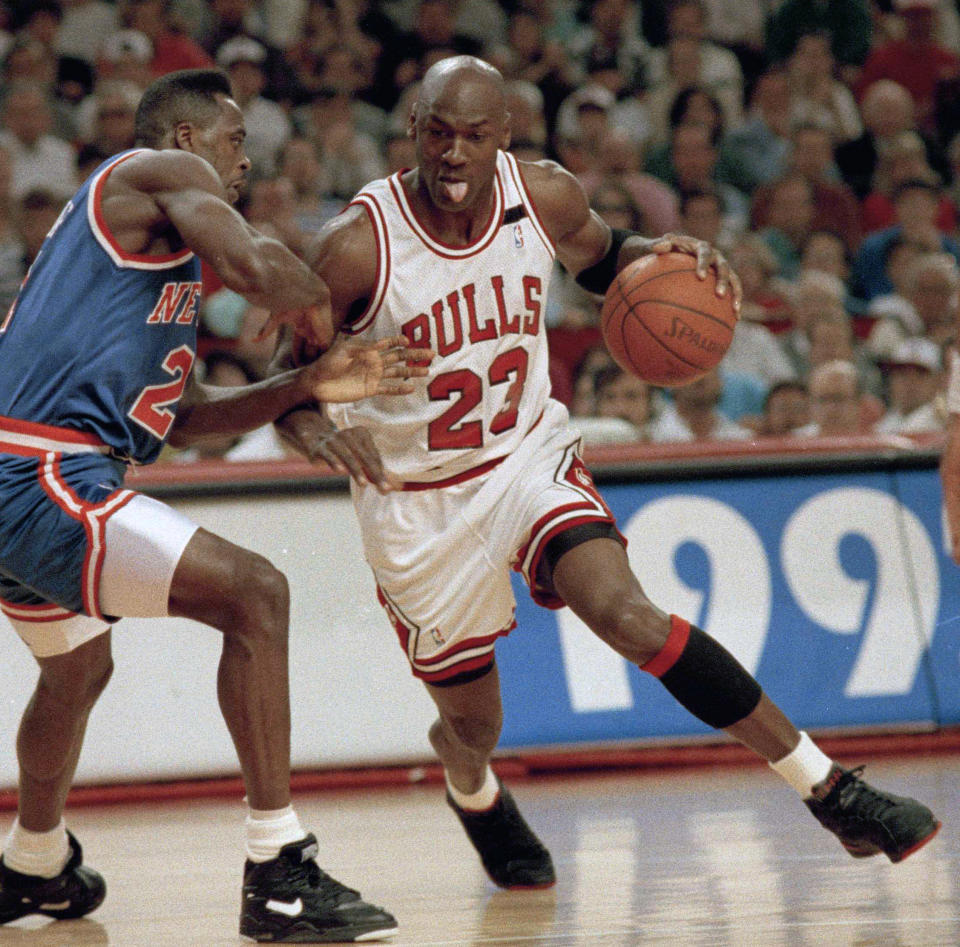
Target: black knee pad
709,681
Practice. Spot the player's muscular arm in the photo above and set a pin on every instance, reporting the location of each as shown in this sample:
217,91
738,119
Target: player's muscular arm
344,253
182,191
950,481
585,243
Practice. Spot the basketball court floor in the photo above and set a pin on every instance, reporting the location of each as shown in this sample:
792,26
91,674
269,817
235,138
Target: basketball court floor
692,856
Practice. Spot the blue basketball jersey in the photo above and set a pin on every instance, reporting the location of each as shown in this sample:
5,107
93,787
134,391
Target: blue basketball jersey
97,347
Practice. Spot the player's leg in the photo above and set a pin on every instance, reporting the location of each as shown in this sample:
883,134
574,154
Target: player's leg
464,736
595,580
158,562
41,869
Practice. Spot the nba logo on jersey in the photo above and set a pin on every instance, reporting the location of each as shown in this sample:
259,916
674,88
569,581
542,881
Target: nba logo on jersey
517,236
437,636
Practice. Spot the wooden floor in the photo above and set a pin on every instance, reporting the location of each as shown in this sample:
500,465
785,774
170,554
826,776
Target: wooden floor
722,856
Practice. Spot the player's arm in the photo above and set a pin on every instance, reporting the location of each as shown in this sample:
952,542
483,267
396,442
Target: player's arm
950,459
593,252
344,254
349,370
188,193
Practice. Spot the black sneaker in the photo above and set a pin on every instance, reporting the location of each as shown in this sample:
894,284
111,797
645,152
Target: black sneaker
76,891
511,854
868,821
289,899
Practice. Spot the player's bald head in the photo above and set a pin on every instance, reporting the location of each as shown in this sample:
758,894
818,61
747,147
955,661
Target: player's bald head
462,82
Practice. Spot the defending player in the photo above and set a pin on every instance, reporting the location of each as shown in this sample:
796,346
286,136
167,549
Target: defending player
457,254
96,360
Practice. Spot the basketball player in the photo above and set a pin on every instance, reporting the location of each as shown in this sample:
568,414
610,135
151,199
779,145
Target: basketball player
457,254
96,359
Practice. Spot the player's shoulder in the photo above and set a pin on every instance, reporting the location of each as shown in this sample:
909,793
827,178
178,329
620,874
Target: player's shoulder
559,197
153,169
346,254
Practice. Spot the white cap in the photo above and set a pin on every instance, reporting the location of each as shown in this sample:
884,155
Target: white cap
241,49
920,352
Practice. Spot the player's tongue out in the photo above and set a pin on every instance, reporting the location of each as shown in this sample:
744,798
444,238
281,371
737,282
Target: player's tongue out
455,191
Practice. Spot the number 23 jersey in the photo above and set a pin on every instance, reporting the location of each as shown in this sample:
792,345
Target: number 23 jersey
480,308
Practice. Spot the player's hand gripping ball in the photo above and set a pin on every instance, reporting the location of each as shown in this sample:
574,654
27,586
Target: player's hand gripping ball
663,323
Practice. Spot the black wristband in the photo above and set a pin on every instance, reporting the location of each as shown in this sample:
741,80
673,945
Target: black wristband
597,278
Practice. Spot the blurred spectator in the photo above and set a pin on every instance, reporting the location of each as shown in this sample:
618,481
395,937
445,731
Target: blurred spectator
814,295
267,124
755,351
37,212
887,109
825,250
763,301
234,18
913,376
693,414
29,60
84,24
126,55
616,206
701,217
847,23
622,409
621,160
928,307
532,55
690,58
106,118
229,323
786,409
759,148
832,338
171,49
593,359
611,35
272,209
341,68
834,401
528,122
691,165
916,203
817,97
789,222
40,159
300,166
916,60
12,252
905,159
835,206
582,122
349,159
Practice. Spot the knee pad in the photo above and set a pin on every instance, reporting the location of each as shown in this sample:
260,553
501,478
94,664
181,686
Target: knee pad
703,676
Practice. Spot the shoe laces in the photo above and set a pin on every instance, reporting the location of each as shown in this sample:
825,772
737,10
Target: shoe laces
310,876
870,803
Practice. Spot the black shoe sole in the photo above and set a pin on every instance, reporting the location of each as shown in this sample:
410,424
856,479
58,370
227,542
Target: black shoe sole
340,935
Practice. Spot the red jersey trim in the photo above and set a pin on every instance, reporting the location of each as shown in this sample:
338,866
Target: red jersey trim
29,439
531,204
380,234
446,250
103,235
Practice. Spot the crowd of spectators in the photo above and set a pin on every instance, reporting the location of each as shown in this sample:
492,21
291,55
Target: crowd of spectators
817,144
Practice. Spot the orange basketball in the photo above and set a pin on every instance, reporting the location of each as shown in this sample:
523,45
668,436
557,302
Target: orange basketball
664,324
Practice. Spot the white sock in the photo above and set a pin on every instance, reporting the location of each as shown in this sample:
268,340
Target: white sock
37,853
268,830
477,801
804,766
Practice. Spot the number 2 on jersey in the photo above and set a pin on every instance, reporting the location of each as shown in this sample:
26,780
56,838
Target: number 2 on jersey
152,410
446,432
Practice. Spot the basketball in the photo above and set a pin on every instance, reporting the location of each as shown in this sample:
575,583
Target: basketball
664,324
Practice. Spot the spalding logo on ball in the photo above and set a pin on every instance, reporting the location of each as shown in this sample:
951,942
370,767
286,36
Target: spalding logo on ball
663,323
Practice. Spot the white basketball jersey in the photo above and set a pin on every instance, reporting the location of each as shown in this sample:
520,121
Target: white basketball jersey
480,308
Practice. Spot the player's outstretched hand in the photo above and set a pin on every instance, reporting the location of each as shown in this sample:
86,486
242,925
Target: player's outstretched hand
707,257
352,369
353,452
